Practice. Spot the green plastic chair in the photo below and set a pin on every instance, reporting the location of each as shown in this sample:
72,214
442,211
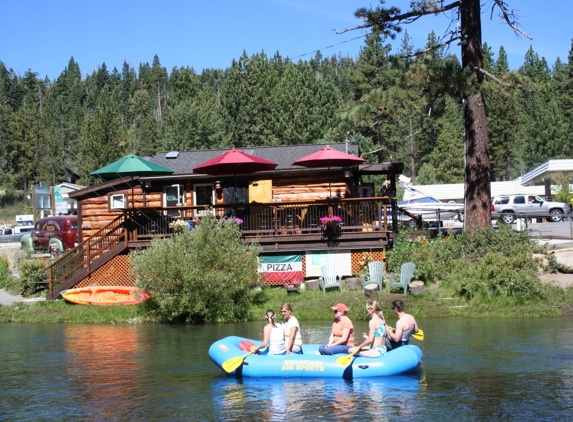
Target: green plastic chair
406,275
329,278
375,275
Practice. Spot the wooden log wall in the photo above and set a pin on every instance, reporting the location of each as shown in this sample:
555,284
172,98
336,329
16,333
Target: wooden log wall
303,189
96,212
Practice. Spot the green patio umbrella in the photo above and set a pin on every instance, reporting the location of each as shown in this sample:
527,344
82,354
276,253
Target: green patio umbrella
131,165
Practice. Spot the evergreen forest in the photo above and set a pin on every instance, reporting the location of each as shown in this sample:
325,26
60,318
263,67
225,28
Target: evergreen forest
402,106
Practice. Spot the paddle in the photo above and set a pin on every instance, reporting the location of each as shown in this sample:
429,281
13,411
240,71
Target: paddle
418,336
233,363
347,360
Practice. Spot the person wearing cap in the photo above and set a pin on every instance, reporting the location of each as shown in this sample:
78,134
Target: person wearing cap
273,336
405,326
342,334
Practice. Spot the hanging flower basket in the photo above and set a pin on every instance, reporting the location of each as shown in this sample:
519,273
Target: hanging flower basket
331,229
330,220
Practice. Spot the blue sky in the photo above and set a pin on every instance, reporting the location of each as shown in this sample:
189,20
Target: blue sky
42,35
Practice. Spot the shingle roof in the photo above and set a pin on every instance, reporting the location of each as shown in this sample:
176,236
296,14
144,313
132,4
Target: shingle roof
284,156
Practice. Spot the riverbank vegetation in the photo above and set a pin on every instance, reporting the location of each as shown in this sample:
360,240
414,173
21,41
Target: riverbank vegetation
436,302
210,275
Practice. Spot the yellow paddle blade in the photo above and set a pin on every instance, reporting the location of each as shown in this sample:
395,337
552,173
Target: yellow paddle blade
347,359
233,363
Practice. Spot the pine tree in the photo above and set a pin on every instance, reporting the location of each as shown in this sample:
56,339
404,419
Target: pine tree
103,138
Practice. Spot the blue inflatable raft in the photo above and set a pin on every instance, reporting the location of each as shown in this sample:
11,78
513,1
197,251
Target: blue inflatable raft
312,364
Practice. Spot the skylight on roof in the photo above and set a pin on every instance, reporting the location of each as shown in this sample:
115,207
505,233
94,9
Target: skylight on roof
172,155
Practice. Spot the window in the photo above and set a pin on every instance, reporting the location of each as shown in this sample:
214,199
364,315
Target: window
173,195
519,200
204,195
117,201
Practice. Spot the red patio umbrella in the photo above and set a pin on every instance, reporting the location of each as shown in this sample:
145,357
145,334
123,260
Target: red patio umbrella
327,157
234,162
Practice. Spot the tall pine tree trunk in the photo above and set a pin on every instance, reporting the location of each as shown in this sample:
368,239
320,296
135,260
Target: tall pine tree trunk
477,167
412,154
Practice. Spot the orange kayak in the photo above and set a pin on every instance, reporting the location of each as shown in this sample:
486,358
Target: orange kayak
106,295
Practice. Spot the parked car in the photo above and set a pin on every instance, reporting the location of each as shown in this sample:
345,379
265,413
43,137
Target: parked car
506,207
59,230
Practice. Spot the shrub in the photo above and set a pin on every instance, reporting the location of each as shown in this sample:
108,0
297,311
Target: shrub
32,280
487,262
200,275
5,274
562,193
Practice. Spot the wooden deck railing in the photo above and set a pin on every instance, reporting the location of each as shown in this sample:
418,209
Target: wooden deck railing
272,219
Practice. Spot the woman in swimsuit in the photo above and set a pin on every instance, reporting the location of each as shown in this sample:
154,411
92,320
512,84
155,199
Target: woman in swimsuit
376,334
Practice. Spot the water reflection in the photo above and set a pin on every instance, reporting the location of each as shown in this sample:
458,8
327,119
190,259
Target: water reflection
315,399
474,369
102,365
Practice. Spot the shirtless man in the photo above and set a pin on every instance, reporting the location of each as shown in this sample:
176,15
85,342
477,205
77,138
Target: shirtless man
405,327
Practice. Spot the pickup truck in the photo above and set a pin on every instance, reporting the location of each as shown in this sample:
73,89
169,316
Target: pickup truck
14,234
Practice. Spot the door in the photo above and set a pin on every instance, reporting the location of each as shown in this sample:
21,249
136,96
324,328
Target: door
204,194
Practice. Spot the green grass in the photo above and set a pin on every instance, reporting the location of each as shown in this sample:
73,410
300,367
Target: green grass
8,213
58,311
311,305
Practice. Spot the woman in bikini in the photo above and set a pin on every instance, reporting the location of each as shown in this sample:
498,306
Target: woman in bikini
376,334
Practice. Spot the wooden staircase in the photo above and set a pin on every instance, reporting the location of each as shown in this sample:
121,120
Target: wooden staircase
88,256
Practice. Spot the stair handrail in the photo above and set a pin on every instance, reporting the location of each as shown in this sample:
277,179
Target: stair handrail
84,254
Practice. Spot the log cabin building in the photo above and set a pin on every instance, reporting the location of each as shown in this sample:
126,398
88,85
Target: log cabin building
280,209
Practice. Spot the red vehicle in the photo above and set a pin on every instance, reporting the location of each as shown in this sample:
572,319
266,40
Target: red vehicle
60,230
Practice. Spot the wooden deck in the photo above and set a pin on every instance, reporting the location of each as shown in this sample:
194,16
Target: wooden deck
292,226
277,227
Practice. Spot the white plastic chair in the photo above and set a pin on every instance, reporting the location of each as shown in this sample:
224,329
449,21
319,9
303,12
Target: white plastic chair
375,275
329,278
406,275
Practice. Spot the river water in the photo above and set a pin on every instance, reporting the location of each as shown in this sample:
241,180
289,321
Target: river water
474,369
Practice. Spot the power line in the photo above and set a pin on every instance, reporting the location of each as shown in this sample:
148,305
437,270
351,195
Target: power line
325,48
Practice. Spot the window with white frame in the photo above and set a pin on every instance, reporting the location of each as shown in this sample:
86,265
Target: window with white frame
173,195
117,201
